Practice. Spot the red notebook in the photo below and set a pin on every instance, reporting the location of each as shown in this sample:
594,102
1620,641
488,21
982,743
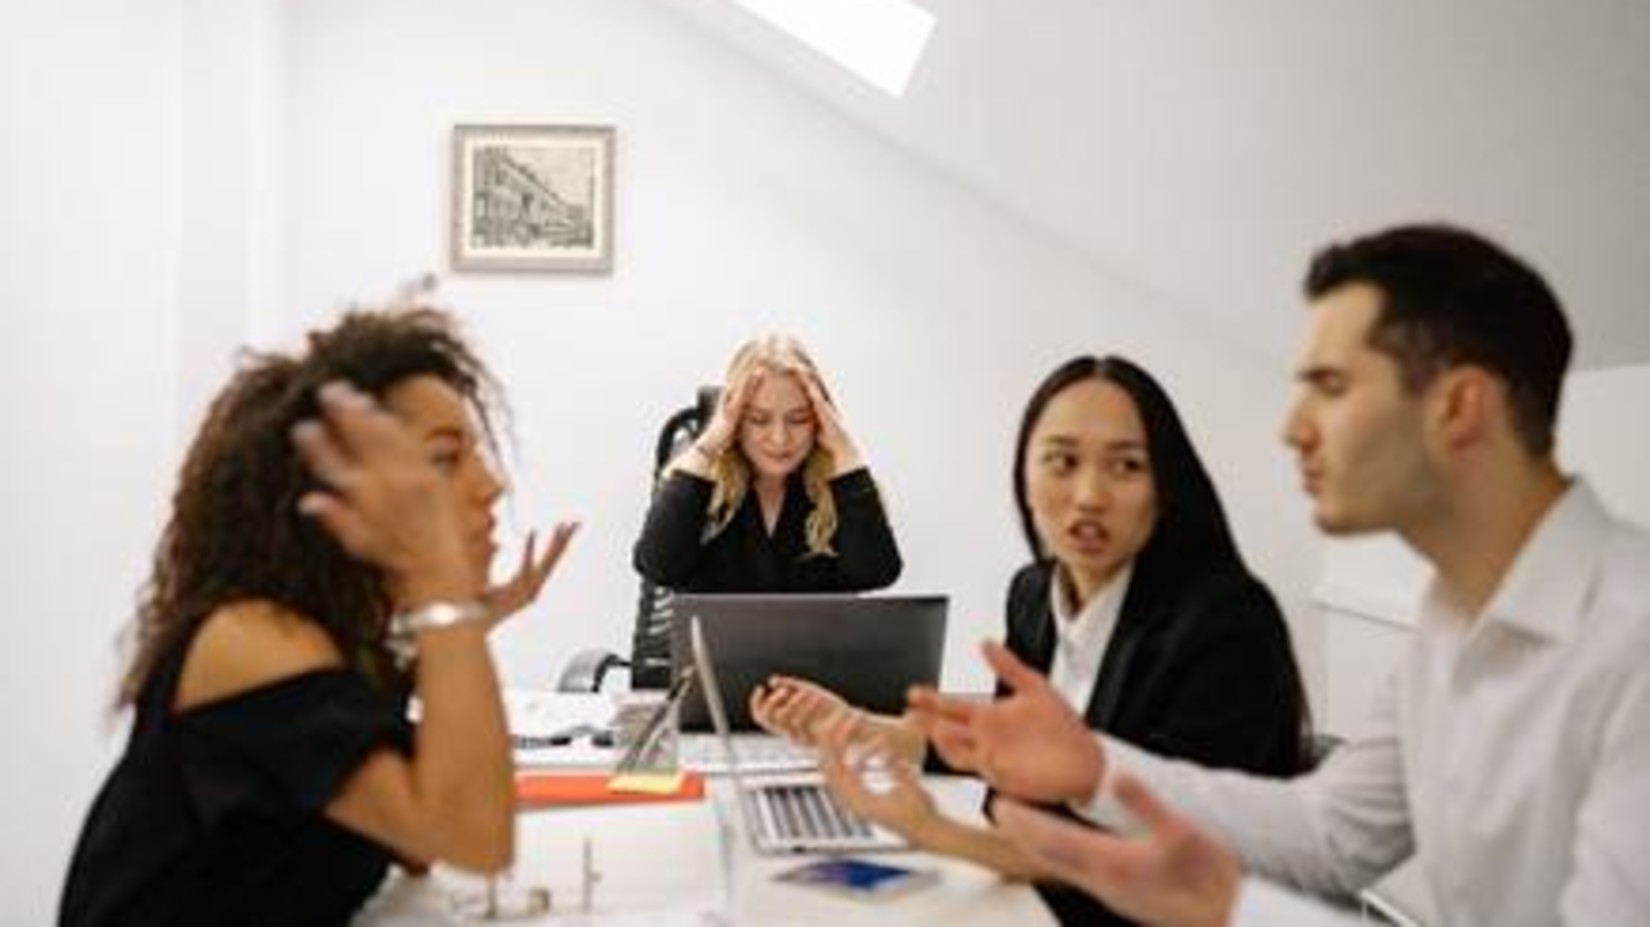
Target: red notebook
546,788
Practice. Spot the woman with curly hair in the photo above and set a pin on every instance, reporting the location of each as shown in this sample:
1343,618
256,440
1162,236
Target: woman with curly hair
326,558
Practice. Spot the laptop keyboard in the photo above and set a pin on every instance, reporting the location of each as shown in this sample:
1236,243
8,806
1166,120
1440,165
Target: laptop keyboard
807,812
703,753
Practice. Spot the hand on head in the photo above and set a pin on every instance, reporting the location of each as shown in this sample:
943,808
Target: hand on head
832,435
384,501
796,709
1029,743
1171,876
519,591
723,429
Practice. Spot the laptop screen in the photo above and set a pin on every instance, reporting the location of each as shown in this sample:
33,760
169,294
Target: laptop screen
868,649
705,666
784,815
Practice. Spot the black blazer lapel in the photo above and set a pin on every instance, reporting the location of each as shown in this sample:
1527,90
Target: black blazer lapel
1047,636
1133,621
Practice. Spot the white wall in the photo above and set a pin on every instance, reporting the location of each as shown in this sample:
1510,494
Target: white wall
89,180
742,206
1602,436
232,212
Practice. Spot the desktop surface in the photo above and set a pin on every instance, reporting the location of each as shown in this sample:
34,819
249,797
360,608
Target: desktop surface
663,864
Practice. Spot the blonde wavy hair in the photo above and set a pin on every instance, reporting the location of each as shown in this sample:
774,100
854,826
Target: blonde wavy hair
731,471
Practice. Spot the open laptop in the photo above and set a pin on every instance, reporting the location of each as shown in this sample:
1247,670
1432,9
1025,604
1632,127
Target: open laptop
868,649
784,812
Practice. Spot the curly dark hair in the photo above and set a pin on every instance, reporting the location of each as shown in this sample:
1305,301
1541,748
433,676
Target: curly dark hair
235,533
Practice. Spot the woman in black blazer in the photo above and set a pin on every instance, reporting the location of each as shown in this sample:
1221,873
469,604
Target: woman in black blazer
1136,604
1198,664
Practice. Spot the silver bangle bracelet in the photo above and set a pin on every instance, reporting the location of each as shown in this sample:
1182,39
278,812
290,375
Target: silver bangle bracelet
402,638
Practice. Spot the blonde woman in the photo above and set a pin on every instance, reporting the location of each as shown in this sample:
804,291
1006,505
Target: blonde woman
772,496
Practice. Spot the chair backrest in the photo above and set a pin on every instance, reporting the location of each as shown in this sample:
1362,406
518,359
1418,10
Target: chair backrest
650,639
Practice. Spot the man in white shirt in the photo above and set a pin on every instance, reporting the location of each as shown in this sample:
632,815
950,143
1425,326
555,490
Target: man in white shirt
1510,752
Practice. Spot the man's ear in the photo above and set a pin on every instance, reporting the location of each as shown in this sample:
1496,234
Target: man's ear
1462,406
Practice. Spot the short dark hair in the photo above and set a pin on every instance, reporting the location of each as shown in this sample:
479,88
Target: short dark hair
1191,530
1451,297
235,532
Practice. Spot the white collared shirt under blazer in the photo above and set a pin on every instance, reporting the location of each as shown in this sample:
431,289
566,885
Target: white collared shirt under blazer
1510,753
1081,639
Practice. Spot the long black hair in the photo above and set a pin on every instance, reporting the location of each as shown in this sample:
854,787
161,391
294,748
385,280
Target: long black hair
1191,548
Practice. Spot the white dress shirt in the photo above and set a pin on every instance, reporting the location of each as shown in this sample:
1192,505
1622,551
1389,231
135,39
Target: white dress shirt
1262,903
1081,640
1510,753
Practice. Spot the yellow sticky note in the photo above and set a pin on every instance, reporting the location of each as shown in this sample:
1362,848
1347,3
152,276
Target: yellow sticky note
646,783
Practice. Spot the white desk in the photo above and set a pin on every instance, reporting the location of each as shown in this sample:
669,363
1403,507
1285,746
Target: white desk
665,859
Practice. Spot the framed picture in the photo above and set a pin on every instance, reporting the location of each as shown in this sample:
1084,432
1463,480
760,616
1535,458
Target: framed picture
528,198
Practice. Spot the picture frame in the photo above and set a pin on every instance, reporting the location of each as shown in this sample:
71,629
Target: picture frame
532,198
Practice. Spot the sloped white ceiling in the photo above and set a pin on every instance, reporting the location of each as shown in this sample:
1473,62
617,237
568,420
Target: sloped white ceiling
1202,150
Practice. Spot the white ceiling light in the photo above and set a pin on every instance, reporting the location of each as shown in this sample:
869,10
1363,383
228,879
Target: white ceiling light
878,40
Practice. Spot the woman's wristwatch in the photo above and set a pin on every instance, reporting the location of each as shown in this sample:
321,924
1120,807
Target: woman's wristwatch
402,639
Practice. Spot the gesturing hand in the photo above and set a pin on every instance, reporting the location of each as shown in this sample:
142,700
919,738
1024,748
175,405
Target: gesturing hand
868,777
383,501
944,720
1029,743
519,591
795,708
1172,876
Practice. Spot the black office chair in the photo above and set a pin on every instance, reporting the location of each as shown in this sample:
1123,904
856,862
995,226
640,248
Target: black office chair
649,661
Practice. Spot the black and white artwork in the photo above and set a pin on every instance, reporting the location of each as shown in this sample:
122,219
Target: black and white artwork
531,198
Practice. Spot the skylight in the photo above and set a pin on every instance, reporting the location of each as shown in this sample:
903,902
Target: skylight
878,40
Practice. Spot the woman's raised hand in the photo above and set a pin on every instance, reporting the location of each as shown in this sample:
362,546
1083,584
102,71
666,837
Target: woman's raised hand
519,591
796,709
383,500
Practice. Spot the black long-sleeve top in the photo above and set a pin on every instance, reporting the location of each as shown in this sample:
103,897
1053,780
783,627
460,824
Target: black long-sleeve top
743,557
1198,668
